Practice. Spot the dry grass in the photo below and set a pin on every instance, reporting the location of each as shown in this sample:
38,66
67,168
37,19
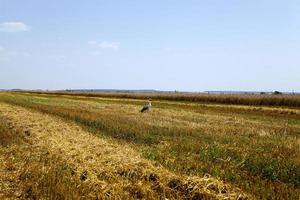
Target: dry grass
253,147
254,100
58,160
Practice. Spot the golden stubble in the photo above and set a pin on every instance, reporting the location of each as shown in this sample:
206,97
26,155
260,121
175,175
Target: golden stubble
107,167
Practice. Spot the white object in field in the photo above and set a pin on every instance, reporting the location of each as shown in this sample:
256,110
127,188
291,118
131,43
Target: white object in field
146,107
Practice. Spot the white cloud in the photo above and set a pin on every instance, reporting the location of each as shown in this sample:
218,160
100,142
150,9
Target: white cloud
105,45
8,55
14,27
108,45
95,53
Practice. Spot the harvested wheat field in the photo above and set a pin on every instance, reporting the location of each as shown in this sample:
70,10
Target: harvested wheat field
60,160
76,147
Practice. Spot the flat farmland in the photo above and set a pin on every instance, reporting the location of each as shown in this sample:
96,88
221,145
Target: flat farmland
74,146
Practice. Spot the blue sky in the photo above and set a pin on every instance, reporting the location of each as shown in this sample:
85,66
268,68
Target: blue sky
150,44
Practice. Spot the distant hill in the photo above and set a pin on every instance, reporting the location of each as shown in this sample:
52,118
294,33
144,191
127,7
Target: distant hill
250,92
157,91
115,91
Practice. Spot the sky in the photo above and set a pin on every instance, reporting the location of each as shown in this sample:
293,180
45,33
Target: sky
184,45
